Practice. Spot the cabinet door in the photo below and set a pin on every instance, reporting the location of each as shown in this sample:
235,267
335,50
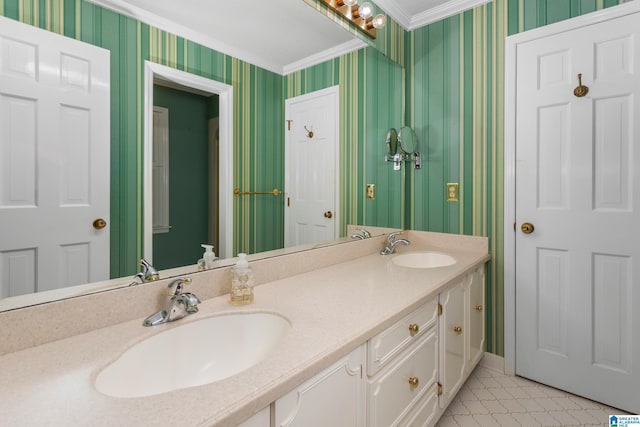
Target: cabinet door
452,333
475,309
261,419
334,397
395,390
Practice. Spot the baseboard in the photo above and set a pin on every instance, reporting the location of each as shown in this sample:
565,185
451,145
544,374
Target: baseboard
492,361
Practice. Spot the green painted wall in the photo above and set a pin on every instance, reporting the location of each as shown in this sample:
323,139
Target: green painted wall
455,101
188,178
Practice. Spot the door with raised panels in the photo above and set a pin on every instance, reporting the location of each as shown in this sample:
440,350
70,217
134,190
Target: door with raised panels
577,211
54,160
311,167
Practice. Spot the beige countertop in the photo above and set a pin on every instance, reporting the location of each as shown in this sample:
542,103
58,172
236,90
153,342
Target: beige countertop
332,311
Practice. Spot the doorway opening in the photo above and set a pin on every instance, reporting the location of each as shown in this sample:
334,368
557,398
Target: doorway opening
181,82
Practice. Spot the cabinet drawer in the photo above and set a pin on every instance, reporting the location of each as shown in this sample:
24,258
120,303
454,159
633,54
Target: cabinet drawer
386,345
390,395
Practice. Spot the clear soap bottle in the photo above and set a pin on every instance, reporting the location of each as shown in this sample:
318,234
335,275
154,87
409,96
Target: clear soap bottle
241,282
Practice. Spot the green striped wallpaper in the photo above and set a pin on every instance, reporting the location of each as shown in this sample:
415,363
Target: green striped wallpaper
455,101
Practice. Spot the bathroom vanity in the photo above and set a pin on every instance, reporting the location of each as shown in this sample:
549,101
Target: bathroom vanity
371,342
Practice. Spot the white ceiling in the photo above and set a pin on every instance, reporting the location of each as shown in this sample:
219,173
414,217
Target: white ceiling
279,35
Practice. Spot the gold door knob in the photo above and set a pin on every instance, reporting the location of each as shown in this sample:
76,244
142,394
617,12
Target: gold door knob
527,228
413,382
328,214
99,224
478,307
414,328
457,329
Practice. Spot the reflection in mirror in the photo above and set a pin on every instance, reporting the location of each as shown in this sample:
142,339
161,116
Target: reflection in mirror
392,142
259,117
407,140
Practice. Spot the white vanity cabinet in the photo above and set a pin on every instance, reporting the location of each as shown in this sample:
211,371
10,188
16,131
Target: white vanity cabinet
403,370
261,419
334,397
462,332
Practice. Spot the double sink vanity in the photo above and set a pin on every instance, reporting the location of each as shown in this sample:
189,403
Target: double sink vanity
340,336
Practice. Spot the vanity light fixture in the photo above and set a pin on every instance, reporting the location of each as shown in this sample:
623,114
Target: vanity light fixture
361,16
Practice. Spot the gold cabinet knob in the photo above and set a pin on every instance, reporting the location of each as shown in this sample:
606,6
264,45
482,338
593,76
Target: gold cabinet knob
457,329
478,307
99,224
328,214
527,228
414,329
413,382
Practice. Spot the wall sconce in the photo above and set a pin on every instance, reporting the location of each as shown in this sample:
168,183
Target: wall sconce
361,16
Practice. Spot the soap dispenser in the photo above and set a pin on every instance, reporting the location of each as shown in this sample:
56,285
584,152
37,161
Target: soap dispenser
241,282
208,258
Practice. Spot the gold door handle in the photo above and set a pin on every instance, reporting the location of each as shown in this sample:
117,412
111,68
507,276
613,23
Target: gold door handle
457,329
328,214
478,308
527,228
413,382
414,329
99,224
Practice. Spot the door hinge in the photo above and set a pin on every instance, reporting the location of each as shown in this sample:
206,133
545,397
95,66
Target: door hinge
439,309
514,227
439,389
288,124
288,201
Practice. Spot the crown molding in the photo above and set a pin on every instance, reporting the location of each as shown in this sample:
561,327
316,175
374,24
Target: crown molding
412,22
324,56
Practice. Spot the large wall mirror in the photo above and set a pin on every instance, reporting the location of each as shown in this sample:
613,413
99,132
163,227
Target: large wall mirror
251,131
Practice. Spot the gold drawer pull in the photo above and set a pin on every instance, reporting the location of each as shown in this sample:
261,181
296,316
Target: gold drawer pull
457,329
414,329
478,307
413,382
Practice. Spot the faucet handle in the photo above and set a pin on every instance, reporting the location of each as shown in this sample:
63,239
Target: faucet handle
179,283
392,236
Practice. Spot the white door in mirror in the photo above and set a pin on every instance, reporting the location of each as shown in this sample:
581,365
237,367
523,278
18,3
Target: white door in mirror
311,159
54,160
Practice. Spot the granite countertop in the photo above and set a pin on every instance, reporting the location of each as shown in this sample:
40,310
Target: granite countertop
332,311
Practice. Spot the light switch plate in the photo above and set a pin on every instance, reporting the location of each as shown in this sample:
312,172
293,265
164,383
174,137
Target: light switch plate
452,191
371,191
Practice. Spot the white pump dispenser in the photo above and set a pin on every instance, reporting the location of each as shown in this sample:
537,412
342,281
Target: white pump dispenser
209,256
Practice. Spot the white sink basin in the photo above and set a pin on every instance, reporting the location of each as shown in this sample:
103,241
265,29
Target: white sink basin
192,354
423,260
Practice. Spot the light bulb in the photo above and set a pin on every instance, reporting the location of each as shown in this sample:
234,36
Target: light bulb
365,10
350,2
379,21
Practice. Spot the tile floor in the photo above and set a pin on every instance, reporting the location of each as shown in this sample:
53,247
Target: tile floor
491,398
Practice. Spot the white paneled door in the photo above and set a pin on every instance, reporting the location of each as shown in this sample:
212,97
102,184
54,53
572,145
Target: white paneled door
54,160
311,168
578,211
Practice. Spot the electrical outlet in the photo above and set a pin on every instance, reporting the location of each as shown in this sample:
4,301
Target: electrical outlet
452,191
371,191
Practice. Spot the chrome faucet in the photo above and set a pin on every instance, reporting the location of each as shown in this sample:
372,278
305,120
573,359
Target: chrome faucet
392,242
148,273
364,234
179,305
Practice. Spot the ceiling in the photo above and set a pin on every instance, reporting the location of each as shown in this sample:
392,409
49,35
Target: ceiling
279,35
